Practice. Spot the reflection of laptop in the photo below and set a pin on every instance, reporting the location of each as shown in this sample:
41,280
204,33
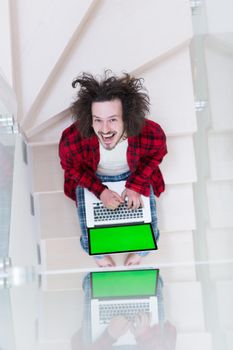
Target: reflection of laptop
98,215
125,293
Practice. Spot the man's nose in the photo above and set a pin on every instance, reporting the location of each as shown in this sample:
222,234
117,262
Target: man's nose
105,128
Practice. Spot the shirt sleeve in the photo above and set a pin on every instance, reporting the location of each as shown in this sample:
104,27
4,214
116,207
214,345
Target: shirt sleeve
153,145
76,170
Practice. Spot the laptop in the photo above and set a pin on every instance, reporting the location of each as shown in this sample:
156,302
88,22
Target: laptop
121,239
121,230
98,215
125,293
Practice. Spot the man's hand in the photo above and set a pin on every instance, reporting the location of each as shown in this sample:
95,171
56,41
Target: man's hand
118,326
134,198
140,324
160,337
110,199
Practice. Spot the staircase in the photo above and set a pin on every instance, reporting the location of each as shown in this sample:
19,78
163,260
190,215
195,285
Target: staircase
194,213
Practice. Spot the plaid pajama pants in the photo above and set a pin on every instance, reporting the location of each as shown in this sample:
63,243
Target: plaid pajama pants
82,211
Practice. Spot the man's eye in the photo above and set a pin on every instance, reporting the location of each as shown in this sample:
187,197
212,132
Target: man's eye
113,120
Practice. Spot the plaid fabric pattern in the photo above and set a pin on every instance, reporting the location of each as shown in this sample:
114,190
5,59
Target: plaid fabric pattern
80,157
82,211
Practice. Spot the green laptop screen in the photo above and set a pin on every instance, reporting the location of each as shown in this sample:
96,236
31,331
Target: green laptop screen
120,239
108,284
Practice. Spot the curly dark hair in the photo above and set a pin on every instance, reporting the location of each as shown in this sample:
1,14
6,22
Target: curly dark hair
130,90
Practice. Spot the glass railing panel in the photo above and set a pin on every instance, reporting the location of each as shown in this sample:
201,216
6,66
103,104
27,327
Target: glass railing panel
7,149
212,64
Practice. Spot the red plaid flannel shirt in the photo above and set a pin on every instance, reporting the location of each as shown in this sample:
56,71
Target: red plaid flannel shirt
80,157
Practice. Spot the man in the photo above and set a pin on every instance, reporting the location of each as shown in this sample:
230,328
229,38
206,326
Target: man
111,140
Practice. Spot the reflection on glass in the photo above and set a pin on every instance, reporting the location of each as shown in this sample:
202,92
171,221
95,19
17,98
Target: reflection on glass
124,309
6,173
7,341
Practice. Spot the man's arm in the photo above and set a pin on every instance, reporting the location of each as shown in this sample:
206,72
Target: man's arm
153,144
77,171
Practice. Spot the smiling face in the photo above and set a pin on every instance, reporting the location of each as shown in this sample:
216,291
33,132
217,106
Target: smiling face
107,122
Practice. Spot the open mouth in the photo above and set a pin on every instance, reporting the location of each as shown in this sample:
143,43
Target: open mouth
108,137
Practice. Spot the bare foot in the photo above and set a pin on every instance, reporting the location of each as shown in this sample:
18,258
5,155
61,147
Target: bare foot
106,261
132,259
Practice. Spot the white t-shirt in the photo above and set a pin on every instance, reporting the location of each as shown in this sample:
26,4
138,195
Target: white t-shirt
113,162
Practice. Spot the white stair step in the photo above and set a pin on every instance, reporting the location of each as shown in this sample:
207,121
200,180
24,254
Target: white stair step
171,91
219,243
176,208
219,248
220,155
224,22
62,281
176,247
184,306
224,292
229,340
66,253
65,345
51,326
23,299
194,341
45,168
220,199
56,215
50,133
179,164
219,66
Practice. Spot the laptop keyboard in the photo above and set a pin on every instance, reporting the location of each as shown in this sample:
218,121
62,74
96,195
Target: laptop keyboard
107,312
121,213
